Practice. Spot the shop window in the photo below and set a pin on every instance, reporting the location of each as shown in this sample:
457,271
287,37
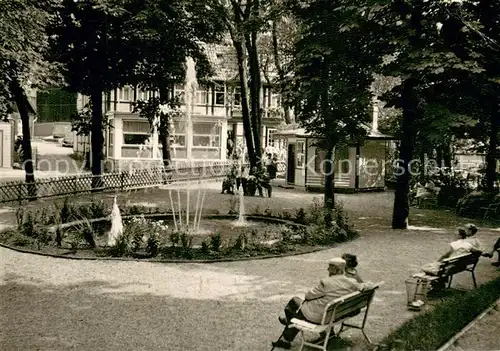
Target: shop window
136,132
206,134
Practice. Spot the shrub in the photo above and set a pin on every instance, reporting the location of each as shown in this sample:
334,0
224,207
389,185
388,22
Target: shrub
470,205
186,241
86,233
174,238
300,216
241,242
122,247
215,242
66,211
286,233
205,247
137,229
153,244
94,209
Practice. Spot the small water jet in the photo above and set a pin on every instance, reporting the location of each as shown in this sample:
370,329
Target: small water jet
116,225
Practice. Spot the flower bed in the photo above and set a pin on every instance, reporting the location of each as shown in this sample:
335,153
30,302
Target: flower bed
150,233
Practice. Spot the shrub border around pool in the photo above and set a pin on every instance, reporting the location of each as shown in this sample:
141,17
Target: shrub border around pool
155,260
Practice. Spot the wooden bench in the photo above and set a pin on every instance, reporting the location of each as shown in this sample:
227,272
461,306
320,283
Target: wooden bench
337,311
451,266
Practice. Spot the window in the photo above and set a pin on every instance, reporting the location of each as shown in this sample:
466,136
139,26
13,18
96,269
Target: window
275,99
220,94
201,97
320,156
126,94
179,134
206,134
179,92
237,96
270,137
110,138
142,95
301,154
136,132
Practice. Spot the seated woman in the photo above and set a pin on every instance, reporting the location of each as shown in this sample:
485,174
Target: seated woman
351,262
458,247
461,246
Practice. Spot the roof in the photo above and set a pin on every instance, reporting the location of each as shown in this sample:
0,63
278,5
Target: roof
222,58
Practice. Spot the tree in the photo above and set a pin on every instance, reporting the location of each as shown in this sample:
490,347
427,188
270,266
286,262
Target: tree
164,45
418,56
333,70
91,41
244,20
24,62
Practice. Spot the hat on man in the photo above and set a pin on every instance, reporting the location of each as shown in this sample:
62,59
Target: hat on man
337,262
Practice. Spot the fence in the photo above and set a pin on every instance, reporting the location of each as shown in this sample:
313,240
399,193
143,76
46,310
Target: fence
83,184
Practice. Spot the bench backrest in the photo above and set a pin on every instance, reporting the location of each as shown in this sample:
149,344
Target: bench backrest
342,306
458,264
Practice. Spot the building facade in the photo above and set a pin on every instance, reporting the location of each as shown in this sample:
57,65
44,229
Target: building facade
217,126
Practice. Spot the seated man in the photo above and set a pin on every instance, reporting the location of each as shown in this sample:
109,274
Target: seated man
312,307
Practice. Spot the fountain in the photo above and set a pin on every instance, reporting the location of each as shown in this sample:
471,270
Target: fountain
181,223
116,225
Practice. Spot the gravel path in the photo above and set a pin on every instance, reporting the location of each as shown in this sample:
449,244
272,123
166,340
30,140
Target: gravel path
57,304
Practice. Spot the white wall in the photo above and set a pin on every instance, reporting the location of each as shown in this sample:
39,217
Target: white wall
6,149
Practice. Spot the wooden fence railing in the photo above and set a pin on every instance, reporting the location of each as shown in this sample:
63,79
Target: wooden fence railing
86,183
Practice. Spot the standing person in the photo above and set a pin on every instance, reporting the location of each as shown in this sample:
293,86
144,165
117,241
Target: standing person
274,167
268,163
311,308
245,174
239,171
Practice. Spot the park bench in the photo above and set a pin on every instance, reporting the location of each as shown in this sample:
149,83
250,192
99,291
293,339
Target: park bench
337,311
451,266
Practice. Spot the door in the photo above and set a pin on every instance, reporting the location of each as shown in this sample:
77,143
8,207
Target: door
291,164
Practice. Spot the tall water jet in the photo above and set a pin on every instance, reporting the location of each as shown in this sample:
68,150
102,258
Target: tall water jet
116,225
190,222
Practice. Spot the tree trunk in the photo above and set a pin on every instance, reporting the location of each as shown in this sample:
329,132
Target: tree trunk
255,97
164,139
163,129
96,138
491,156
447,154
22,106
329,179
401,209
255,81
281,73
240,57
